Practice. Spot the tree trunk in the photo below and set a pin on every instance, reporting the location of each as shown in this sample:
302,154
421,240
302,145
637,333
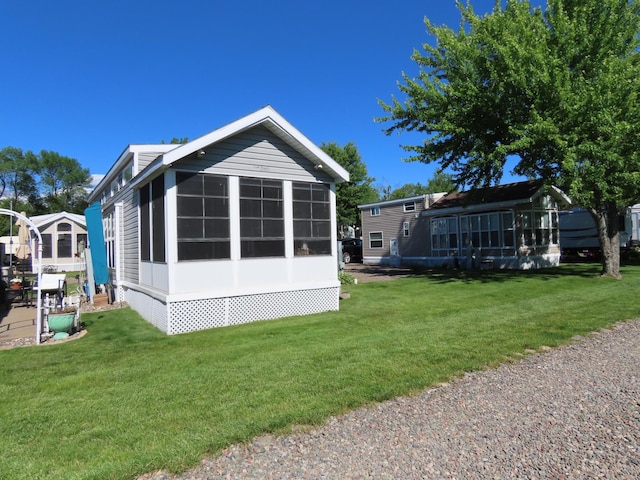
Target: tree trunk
609,234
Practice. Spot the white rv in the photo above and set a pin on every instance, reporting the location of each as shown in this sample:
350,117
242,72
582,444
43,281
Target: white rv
579,235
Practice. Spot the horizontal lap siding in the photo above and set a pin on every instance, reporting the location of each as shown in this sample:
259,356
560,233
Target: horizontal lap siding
418,243
390,222
129,245
146,158
255,153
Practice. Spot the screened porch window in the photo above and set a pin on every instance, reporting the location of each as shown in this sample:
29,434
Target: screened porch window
261,218
311,219
203,216
145,229
494,230
157,218
152,222
81,242
47,251
444,236
64,245
540,228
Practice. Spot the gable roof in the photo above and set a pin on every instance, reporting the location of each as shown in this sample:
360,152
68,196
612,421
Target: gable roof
499,196
266,117
49,218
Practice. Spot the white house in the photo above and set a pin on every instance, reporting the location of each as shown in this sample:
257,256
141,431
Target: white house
236,226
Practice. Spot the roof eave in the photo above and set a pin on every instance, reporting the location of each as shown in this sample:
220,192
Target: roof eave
397,201
125,156
562,199
473,208
266,116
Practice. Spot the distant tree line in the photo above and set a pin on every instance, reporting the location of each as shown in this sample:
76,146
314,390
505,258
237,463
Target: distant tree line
40,183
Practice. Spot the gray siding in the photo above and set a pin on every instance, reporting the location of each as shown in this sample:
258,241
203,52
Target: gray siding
390,223
145,159
255,153
129,236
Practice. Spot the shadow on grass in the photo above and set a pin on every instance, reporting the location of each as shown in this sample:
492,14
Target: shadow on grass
588,270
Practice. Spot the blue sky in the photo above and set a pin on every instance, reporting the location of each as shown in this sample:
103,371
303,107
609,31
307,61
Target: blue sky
85,79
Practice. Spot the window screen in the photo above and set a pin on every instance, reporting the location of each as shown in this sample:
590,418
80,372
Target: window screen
203,216
311,219
261,218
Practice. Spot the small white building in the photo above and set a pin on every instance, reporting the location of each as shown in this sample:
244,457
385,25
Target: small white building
64,236
236,226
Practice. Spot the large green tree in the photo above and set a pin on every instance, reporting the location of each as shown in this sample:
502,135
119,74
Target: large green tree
18,170
554,88
64,182
358,190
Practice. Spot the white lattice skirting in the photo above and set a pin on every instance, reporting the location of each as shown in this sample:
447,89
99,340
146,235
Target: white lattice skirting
201,314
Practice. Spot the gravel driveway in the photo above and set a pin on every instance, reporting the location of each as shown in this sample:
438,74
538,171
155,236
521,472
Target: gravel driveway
569,413
376,273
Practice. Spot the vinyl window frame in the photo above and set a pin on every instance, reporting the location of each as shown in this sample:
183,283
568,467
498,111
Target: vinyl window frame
376,242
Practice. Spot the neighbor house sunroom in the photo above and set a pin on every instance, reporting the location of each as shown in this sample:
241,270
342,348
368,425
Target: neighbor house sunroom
507,226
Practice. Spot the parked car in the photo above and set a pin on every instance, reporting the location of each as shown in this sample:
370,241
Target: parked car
351,250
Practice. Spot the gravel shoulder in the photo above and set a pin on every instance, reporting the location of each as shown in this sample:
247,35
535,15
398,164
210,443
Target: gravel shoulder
571,413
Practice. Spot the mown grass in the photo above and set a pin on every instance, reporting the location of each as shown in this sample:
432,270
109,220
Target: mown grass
126,399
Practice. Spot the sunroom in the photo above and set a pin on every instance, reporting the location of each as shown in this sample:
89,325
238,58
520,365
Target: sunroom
508,226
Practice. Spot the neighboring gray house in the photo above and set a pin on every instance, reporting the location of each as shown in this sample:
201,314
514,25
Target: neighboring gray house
392,231
236,226
508,226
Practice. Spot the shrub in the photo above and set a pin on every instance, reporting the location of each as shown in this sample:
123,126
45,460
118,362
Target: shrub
346,278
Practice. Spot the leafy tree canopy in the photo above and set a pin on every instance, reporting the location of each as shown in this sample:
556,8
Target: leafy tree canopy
440,182
18,171
408,190
358,190
556,88
41,183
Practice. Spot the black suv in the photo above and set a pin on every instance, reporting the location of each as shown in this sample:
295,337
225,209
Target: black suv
351,250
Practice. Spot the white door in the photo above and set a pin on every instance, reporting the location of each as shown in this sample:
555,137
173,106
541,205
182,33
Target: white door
394,252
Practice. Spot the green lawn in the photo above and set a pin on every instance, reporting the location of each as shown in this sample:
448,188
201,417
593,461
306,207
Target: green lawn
126,399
